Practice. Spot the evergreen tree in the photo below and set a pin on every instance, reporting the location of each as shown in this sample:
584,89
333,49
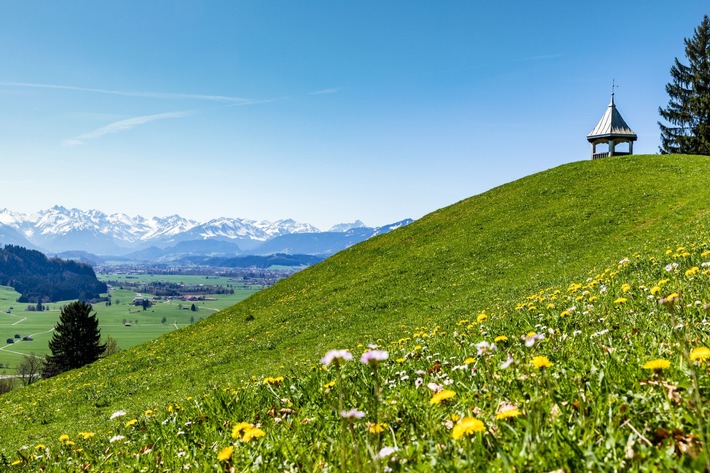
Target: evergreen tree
688,111
76,340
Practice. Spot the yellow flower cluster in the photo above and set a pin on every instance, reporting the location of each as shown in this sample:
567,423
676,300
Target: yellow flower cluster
442,395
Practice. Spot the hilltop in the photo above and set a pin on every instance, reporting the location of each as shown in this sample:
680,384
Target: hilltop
487,251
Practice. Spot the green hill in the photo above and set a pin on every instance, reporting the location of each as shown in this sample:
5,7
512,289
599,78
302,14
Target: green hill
485,253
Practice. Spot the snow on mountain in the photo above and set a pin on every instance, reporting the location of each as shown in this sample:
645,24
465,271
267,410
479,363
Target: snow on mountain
61,229
344,227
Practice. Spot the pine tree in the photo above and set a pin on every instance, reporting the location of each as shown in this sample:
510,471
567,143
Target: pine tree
76,340
688,111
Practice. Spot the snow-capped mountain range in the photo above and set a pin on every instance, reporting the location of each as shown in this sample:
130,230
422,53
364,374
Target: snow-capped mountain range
59,229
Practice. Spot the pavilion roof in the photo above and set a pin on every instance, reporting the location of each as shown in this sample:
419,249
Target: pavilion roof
611,125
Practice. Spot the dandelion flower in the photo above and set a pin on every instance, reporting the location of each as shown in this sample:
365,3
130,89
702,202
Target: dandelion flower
131,422
336,356
468,361
239,428
63,438
626,287
541,362
700,354
467,426
620,300
252,433
273,381
481,317
225,454
442,395
41,446
376,428
86,435
692,271
500,339
329,385
657,364
507,411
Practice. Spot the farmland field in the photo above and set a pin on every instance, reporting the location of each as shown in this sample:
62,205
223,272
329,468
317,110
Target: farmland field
17,322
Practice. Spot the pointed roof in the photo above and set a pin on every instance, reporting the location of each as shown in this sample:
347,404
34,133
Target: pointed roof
611,125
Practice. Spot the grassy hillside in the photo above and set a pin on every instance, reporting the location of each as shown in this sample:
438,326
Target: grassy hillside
486,252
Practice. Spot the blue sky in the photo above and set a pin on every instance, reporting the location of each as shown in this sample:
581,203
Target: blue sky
321,111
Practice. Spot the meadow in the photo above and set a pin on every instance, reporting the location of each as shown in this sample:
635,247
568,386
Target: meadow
557,323
145,324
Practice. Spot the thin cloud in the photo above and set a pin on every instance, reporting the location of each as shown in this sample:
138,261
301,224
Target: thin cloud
121,126
332,90
154,95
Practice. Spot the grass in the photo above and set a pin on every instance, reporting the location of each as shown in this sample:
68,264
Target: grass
504,254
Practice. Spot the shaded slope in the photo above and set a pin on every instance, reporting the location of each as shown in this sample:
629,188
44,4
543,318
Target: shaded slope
506,242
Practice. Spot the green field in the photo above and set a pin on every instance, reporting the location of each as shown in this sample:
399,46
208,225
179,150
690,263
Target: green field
145,325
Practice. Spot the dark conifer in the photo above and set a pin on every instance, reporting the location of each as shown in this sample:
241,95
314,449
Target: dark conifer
76,340
688,110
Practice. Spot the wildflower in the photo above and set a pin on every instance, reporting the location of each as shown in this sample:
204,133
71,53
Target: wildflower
149,412
116,438
507,362
373,357
700,354
239,428
376,428
41,446
671,266
692,271
531,337
620,300
626,287
225,454
657,364
655,290
386,452
16,462
400,360
481,317
117,414
541,362
352,414
467,426
506,411
63,438
252,433
468,361
484,347
442,395
131,422
86,435
329,385
705,253
337,356
501,339
273,381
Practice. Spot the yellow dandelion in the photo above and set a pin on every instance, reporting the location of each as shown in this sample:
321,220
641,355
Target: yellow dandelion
468,361
131,422
500,339
705,253
149,412
620,300
252,433
626,287
239,428
455,417
329,385
41,446
442,395
657,364
225,454
86,435
700,354
655,290
16,462
467,426
565,313
400,360
481,317
63,438
507,411
273,381
692,271
541,362
376,428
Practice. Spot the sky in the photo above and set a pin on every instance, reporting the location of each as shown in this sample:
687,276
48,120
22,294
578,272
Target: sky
321,111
